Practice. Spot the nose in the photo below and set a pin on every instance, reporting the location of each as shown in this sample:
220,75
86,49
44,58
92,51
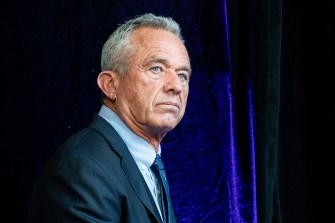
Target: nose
172,82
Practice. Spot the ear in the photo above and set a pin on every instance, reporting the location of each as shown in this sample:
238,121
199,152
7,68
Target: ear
108,82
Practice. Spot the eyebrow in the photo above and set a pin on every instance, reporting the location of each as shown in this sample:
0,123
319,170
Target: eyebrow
165,62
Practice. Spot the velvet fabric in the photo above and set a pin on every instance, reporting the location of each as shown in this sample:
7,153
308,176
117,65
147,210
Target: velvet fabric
240,154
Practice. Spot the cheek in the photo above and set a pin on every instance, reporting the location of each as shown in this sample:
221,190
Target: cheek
131,96
142,99
184,97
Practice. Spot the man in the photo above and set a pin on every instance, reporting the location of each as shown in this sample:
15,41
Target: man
102,173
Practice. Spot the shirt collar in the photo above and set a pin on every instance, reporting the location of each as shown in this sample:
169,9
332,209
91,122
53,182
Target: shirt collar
141,150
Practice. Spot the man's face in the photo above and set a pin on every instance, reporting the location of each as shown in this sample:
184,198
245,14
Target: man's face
152,97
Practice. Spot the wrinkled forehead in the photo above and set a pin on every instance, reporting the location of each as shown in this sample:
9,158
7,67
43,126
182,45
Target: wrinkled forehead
158,44
152,35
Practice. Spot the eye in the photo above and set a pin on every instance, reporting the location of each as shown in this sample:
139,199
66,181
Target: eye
183,77
156,69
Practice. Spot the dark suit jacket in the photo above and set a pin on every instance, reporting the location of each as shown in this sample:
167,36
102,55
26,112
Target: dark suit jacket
92,178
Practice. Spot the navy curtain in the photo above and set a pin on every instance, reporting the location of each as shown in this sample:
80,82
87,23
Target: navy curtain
239,153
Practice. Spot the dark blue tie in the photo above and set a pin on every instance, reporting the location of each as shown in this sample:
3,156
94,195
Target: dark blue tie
166,205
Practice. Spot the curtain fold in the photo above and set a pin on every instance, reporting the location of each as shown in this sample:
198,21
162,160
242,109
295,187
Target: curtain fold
256,39
267,108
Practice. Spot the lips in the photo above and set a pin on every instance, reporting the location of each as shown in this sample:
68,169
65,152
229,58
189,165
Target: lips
169,103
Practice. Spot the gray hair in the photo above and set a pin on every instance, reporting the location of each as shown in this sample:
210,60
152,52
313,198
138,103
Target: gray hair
118,49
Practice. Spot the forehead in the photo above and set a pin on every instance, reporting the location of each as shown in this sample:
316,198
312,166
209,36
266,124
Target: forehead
143,34
154,42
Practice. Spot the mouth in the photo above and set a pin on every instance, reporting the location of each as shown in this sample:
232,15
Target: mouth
169,103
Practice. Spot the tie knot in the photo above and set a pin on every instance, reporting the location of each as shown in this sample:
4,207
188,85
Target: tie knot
158,163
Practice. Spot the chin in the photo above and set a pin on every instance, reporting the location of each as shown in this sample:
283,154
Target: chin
169,126
165,122
165,126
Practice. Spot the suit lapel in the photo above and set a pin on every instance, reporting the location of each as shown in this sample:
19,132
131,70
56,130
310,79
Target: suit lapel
128,163
139,185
